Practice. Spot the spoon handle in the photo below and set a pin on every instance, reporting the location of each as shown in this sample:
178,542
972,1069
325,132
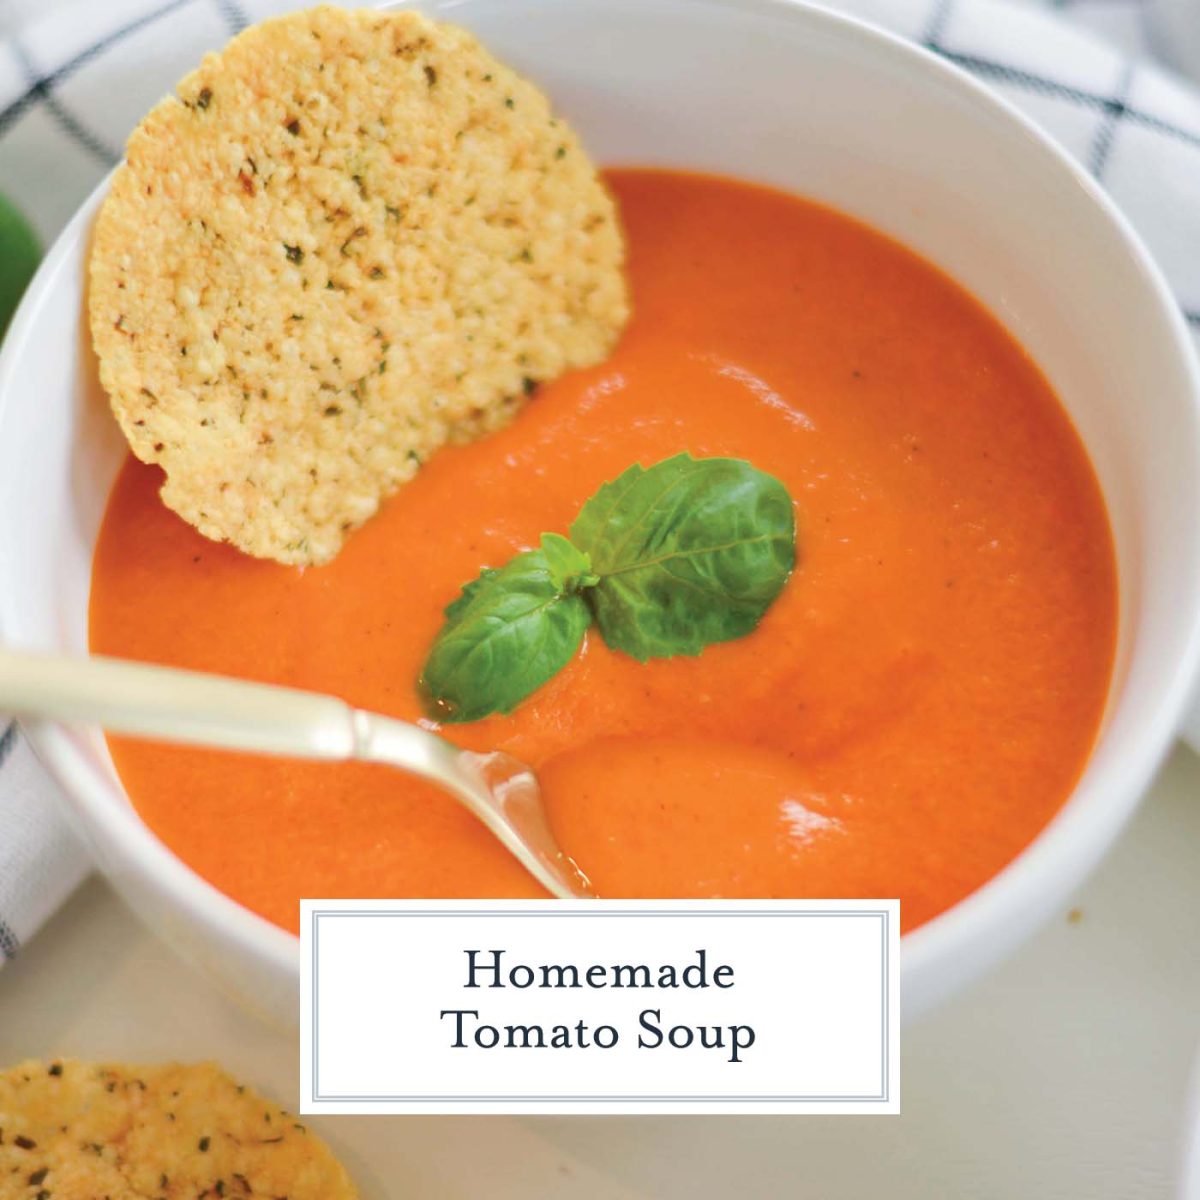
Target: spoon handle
210,710
178,706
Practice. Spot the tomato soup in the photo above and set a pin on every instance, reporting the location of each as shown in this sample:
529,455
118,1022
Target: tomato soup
909,714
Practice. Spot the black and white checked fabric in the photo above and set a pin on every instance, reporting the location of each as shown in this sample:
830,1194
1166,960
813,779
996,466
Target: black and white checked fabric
76,75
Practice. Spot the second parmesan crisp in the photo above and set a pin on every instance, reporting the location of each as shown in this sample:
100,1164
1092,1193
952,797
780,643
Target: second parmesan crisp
80,1131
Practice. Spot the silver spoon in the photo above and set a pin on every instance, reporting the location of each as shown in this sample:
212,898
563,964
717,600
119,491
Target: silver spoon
167,704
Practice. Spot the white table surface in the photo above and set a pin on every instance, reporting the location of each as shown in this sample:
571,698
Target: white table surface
1062,1076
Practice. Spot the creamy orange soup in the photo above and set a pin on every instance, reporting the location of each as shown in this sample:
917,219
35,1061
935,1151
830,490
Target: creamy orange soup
909,714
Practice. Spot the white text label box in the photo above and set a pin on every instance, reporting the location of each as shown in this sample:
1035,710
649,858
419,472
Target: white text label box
600,1007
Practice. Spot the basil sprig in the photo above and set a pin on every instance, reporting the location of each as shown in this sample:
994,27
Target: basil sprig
666,560
507,633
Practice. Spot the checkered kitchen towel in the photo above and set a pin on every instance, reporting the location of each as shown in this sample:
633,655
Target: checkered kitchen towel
75,75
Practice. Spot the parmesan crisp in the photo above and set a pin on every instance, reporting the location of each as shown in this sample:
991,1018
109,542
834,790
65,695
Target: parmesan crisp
353,237
79,1131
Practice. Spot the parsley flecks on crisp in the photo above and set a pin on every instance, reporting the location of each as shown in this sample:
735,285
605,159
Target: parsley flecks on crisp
665,560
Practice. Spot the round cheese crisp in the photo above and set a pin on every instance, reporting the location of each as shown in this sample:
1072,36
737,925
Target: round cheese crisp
78,1131
353,237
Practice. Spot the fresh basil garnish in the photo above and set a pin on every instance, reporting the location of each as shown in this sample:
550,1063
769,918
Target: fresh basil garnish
507,633
689,552
666,559
570,568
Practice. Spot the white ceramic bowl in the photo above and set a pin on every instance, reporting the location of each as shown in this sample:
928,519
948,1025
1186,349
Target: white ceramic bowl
810,101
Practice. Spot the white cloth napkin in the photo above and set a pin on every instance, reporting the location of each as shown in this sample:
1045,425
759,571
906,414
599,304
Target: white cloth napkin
75,78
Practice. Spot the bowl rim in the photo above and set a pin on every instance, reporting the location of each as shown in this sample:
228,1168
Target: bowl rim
942,937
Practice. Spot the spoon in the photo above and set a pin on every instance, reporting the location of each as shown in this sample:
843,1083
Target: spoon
167,704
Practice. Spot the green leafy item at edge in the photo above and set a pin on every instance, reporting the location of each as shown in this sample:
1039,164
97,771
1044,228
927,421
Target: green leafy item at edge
666,559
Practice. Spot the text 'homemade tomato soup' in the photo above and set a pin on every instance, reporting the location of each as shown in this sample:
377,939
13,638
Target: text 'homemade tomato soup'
910,712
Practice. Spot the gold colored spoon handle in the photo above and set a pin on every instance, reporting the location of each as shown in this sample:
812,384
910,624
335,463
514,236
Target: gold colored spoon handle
173,705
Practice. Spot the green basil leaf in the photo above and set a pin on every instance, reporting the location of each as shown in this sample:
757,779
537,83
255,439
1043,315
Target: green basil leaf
689,552
570,568
509,631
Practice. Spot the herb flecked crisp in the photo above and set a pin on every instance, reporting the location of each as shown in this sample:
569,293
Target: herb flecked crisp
665,560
